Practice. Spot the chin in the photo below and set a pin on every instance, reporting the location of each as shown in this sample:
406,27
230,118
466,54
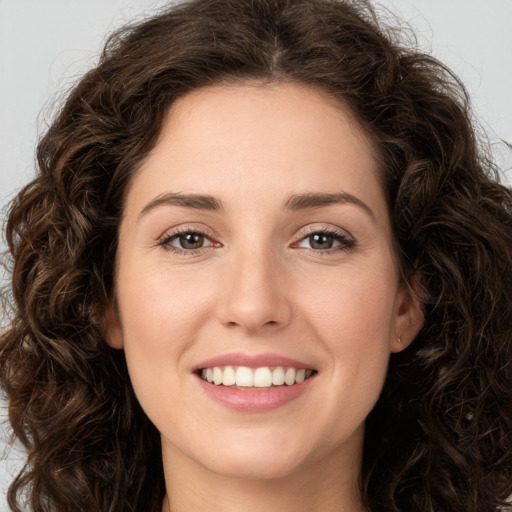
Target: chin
253,466
255,456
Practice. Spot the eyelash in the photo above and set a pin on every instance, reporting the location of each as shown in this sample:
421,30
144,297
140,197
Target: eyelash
346,243
166,240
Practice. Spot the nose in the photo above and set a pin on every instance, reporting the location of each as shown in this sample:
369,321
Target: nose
255,296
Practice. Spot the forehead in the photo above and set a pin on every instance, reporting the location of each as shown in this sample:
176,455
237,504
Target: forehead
298,108
246,138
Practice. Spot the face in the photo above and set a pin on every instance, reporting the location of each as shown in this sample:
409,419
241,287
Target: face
255,248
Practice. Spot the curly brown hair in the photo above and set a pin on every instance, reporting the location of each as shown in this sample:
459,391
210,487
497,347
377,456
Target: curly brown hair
439,438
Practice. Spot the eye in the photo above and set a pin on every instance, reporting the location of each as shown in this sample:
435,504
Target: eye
186,241
324,240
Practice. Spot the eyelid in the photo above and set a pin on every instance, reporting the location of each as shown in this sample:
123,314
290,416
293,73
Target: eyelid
175,232
347,241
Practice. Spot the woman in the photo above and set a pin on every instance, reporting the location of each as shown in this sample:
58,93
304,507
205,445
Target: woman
263,265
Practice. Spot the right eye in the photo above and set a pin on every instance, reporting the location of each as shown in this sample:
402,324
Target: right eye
186,241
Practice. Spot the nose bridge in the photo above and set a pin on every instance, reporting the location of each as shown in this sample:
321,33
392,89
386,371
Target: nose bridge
254,295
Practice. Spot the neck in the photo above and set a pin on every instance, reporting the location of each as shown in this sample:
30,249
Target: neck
316,487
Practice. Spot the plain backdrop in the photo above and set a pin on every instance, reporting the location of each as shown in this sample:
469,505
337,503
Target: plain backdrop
45,46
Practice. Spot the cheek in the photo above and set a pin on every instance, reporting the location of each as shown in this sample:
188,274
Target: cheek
160,319
354,306
161,303
353,316
357,336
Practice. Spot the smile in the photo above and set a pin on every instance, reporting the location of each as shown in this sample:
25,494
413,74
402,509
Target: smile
254,383
261,378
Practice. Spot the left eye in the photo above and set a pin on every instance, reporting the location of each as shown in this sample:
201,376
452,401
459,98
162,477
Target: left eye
188,241
324,241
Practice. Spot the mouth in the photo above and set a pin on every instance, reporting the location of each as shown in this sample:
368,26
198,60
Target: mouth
254,383
262,378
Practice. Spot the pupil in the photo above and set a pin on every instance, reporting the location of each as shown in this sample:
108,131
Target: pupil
191,241
320,241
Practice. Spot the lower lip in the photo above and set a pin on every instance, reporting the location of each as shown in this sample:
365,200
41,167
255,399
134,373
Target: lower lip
255,401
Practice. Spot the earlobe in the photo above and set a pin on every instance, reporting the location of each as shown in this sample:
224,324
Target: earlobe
409,317
112,328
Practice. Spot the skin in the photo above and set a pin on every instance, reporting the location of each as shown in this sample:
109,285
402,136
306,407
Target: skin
258,285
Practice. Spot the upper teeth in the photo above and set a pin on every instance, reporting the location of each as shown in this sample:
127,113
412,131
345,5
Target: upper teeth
262,377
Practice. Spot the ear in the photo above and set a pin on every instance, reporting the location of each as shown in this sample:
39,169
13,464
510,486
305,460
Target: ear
409,317
112,327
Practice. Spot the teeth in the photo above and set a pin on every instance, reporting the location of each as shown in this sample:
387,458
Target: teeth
300,376
244,377
278,376
229,377
289,376
263,377
217,375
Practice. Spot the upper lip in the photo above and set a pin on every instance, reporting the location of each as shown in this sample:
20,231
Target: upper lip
252,361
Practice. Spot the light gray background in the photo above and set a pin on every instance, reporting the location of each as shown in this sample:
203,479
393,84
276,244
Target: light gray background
45,45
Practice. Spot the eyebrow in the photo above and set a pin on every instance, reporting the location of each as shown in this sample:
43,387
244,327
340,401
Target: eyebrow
317,200
195,201
295,202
